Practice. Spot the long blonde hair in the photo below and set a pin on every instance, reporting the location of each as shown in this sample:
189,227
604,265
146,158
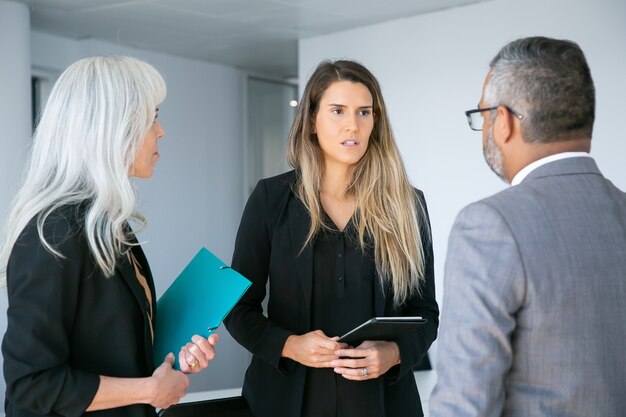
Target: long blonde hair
387,208
95,120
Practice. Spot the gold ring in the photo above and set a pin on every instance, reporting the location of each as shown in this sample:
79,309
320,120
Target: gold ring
194,363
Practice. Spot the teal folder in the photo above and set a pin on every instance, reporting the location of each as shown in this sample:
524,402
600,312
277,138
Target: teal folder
196,303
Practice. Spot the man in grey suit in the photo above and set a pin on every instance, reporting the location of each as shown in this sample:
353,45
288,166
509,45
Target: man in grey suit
534,308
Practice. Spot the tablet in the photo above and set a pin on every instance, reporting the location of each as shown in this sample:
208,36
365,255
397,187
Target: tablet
381,328
223,407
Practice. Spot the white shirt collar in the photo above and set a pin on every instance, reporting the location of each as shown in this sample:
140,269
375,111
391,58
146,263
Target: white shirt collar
523,173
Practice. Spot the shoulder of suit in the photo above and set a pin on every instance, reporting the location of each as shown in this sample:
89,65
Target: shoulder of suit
286,178
61,224
274,195
279,184
503,205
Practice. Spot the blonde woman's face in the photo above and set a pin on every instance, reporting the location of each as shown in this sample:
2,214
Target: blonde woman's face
148,152
344,122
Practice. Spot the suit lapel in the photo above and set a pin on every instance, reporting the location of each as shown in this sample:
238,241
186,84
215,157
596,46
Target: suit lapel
127,271
141,258
299,224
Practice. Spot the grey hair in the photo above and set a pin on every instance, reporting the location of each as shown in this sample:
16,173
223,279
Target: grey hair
547,81
97,116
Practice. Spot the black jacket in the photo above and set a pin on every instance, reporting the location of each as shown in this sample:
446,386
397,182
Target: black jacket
271,234
68,324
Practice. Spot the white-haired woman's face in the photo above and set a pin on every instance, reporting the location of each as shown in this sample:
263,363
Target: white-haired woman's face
148,152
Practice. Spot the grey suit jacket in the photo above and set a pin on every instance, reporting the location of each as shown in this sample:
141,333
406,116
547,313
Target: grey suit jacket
534,309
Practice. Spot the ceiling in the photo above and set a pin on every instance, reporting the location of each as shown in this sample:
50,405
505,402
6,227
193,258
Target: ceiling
259,36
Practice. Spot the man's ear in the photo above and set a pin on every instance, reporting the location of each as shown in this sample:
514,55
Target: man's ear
503,127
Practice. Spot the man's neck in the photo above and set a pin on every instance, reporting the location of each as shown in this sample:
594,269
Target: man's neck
532,152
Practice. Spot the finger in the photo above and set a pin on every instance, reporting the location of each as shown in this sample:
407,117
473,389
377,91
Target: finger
214,338
349,363
205,346
169,359
358,374
323,361
320,364
321,351
352,377
321,336
341,345
198,340
348,373
195,356
353,353
329,344
192,361
182,360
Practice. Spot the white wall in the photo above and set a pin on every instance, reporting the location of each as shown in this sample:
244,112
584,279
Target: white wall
432,67
194,198
15,113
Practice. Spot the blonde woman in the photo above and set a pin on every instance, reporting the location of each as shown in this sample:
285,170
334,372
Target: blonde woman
341,238
81,297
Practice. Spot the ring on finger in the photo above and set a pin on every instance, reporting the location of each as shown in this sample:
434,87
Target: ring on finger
193,363
364,373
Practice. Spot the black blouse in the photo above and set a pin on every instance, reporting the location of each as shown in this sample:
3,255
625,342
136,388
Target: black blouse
342,298
269,251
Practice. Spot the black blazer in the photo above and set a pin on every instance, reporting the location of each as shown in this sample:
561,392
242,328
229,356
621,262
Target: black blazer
68,324
271,234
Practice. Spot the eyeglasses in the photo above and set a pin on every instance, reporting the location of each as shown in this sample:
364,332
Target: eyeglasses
476,120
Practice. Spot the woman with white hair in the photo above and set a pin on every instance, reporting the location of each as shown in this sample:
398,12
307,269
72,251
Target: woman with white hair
81,296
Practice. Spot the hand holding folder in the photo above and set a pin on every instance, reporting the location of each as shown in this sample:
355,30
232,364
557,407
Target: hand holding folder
196,303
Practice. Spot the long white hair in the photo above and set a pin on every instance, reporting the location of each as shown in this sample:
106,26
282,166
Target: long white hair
97,116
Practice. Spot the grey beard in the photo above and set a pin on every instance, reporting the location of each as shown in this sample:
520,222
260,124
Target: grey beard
493,156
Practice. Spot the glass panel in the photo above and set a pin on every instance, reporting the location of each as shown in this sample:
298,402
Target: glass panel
270,112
